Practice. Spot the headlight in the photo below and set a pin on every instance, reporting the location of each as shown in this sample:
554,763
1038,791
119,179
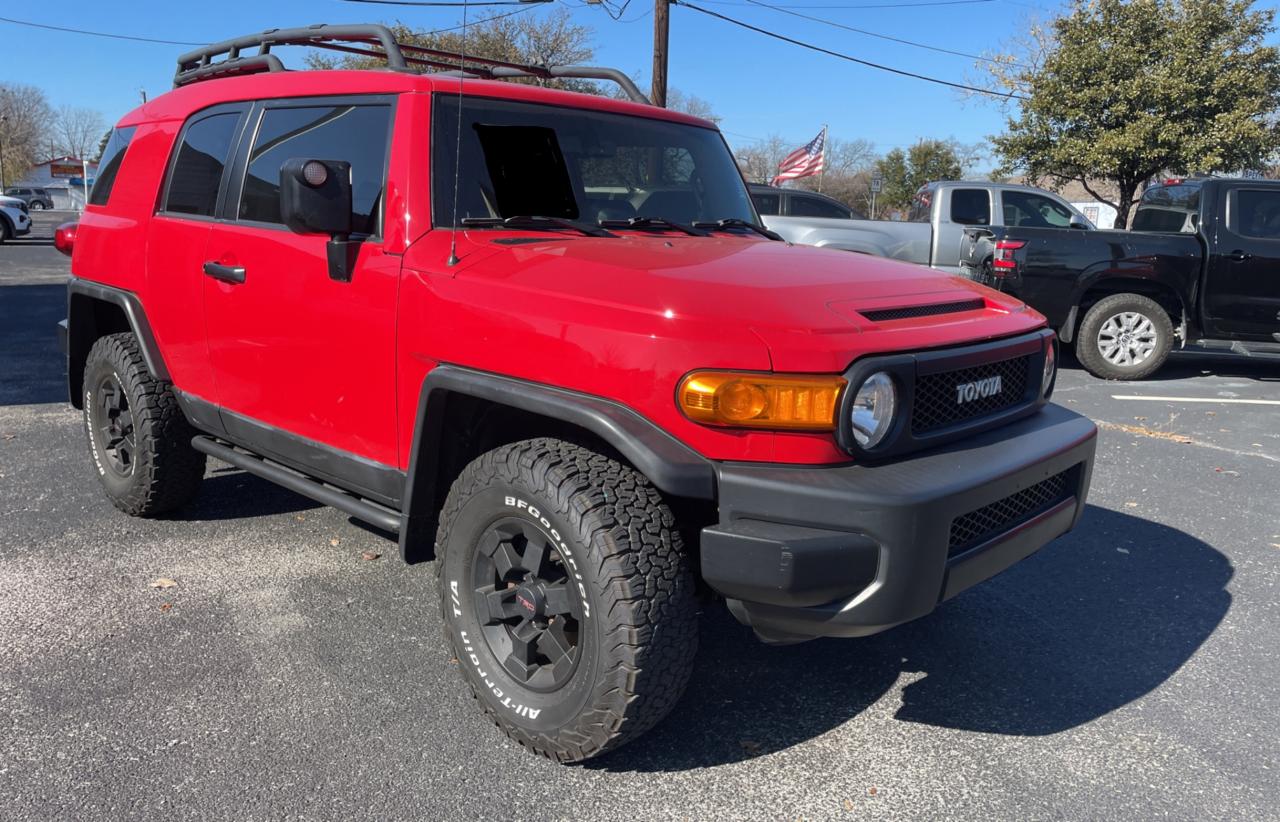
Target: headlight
1050,367
872,409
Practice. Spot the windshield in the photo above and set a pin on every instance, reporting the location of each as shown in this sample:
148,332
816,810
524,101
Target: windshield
525,159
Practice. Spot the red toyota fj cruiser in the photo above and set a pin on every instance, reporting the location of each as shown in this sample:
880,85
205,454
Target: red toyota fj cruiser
543,337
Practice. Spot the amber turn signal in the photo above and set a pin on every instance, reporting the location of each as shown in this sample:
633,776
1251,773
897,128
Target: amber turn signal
804,402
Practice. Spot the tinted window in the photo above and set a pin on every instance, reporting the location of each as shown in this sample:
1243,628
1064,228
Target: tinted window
802,206
356,134
109,165
767,203
588,165
1022,208
970,206
1257,214
197,171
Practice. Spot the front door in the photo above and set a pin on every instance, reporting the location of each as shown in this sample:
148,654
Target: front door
1242,288
305,364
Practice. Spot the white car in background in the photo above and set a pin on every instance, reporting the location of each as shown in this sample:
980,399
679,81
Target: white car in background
14,219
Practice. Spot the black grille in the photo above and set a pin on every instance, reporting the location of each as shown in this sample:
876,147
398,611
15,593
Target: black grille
991,520
938,405
882,314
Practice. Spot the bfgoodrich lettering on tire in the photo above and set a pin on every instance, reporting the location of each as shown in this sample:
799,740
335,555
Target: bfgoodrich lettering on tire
138,438
567,597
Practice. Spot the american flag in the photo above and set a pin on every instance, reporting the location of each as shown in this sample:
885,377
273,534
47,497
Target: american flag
805,161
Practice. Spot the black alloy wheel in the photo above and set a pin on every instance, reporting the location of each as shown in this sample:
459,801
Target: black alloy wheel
112,422
530,615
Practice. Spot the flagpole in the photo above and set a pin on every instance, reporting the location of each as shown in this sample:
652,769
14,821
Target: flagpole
824,157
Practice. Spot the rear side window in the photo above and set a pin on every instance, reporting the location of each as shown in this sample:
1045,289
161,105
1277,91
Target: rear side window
1256,213
970,206
766,203
802,206
197,171
109,165
354,133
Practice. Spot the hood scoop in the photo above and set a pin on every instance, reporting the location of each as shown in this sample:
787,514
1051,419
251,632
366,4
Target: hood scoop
910,311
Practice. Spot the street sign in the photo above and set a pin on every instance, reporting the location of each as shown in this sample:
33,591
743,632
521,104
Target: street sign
876,183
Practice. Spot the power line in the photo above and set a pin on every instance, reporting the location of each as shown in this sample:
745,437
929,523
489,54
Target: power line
850,58
863,5
787,10
526,7
447,3
98,33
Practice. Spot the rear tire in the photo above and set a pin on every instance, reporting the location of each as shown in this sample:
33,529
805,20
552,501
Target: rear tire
4,231
138,437
36,206
593,643
1124,337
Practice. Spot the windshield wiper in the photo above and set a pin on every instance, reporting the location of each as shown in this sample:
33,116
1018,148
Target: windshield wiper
653,222
736,222
536,223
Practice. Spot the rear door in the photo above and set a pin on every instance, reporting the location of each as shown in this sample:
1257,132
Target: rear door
305,364
1242,286
195,183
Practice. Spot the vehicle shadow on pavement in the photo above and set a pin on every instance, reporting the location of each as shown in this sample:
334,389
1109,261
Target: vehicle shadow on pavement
232,494
1091,623
34,371
1186,365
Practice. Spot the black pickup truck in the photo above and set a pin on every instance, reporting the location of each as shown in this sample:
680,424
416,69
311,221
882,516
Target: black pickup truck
1200,270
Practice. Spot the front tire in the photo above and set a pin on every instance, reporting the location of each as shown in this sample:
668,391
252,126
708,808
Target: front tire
567,597
138,437
1124,337
36,206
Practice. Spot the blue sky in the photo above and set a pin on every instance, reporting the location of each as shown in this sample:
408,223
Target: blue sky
759,86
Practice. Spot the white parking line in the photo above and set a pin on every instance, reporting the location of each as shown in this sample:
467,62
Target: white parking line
1194,399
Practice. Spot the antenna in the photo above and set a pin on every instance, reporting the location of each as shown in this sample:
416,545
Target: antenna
457,148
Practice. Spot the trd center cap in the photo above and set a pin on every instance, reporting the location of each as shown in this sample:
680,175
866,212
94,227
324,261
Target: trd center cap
531,601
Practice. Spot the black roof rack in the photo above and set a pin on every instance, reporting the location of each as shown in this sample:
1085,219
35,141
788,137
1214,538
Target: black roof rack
369,40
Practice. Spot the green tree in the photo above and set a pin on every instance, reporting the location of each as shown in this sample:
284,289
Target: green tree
905,171
1122,90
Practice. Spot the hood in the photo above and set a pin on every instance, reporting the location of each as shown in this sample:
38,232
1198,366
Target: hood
793,298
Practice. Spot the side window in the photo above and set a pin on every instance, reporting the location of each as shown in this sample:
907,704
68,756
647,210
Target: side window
1256,214
802,206
766,203
109,165
1022,208
970,206
197,170
354,133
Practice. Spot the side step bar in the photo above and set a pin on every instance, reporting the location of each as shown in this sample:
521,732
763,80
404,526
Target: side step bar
361,509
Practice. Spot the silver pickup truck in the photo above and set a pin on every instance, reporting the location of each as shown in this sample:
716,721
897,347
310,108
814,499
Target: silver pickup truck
933,233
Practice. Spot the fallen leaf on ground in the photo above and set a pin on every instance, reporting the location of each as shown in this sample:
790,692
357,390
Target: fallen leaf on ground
299,517
1131,504
368,556
334,542
872,791
163,582
166,606
10,436
1275,545
848,804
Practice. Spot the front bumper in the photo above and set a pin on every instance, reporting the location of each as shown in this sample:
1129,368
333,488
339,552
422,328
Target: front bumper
854,550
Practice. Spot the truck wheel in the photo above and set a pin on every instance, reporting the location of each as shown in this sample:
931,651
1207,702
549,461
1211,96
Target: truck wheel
4,231
1124,337
567,597
138,437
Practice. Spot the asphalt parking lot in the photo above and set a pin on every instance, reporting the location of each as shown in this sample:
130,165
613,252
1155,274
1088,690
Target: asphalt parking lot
1129,670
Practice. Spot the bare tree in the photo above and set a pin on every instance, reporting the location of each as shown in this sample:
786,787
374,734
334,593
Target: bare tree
759,160
78,131
678,100
25,119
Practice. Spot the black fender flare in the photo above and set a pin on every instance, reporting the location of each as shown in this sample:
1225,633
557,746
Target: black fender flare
670,465
82,330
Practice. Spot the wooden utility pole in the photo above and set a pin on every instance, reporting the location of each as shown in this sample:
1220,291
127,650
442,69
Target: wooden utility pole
661,29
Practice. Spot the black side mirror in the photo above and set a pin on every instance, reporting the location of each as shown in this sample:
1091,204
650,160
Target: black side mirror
315,198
